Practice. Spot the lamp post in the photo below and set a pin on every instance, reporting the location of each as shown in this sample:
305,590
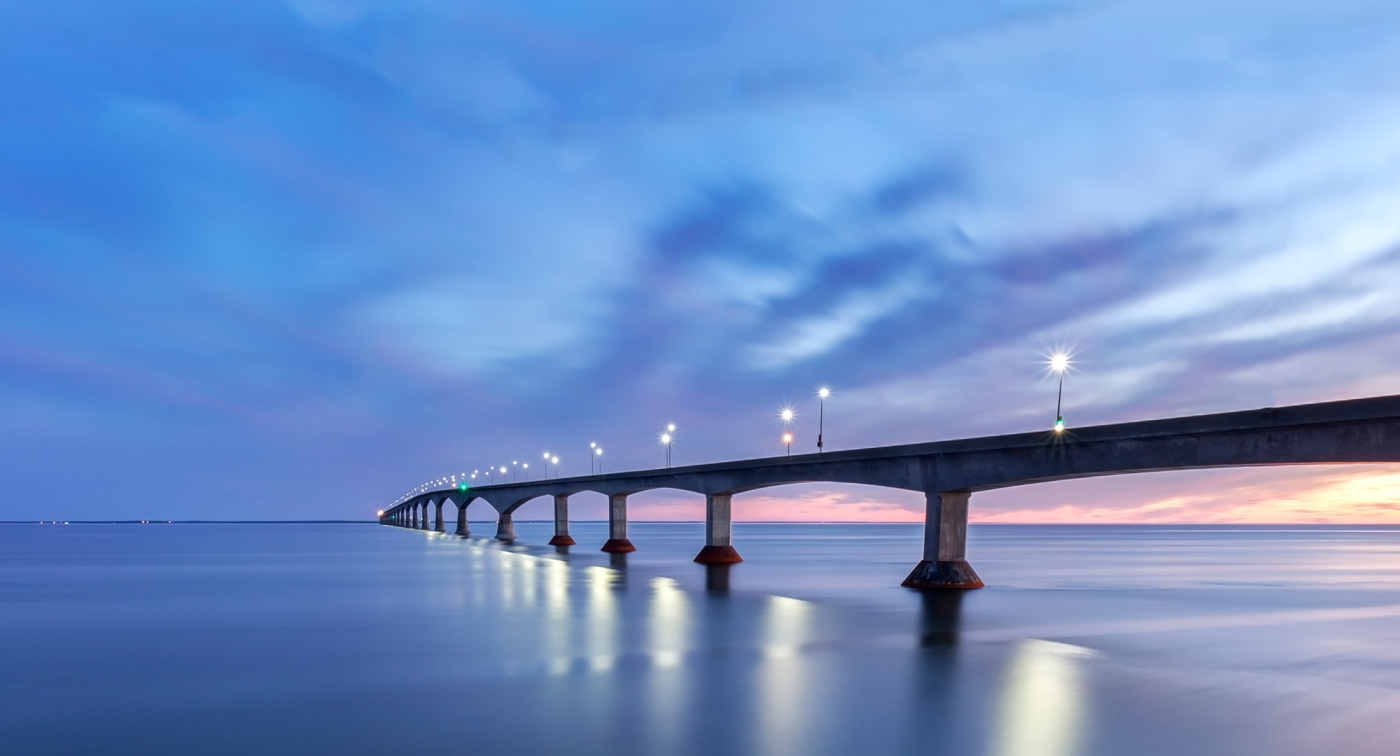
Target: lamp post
787,415
599,452
546,465
787,439
822,394
666,441
592,447
515,471
1059,363
555,461
526,468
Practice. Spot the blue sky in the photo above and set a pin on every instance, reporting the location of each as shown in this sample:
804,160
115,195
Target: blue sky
264,259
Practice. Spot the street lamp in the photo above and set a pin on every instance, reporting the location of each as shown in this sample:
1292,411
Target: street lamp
546,464
666,441
592,448
1059,363
526,468
599,451
822,394
555,462
514,472
787,415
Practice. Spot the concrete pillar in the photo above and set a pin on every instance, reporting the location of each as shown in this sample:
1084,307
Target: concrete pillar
462,528
423,516
439,504
617,526
413,515
718,532
945,544
505,528
561,522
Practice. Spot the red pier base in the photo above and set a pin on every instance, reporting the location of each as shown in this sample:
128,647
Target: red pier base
618,546
930,575
563,540
718,555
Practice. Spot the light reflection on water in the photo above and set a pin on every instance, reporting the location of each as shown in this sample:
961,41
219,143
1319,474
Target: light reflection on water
1043,706
361,639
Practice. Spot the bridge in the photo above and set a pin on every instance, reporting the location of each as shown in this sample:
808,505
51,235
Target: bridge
949,472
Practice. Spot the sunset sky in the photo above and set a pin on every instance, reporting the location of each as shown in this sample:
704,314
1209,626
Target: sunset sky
265,260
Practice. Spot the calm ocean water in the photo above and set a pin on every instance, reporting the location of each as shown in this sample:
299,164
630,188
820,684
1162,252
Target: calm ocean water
361,639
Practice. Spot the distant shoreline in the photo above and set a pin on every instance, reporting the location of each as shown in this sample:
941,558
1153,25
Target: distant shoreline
754,522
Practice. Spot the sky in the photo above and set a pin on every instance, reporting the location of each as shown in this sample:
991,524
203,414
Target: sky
287,260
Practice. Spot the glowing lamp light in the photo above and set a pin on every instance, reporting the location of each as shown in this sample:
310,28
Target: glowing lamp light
1059,425
671,427
381,513
786,414
824,392
787,438
665,438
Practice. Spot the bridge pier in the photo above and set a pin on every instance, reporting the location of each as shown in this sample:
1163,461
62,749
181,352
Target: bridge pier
505,528
423,523
719,548
439,528
561,522
617,526
462,528
412,516
945,544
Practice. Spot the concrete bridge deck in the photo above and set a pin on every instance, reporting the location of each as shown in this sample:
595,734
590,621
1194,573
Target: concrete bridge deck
949,472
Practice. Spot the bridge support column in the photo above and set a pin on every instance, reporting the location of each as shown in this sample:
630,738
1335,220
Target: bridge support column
439,527
561,522
945,545
413,515
617,526
505,528
462,528
718,532
423,521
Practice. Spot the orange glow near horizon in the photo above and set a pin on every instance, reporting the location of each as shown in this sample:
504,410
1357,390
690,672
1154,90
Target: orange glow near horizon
1342,494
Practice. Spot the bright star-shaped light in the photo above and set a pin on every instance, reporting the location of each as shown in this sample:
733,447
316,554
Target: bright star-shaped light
824,392
787,414
1059,362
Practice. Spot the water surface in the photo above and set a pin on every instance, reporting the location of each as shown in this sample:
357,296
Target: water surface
309,638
